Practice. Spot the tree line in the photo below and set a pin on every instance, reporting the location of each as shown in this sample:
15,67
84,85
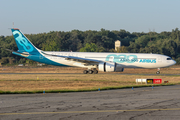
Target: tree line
166,43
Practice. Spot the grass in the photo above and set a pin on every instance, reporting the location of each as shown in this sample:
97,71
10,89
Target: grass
76,82
170,70
79,90
55,83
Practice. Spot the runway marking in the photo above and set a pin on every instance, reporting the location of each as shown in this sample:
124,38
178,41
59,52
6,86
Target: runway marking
99,111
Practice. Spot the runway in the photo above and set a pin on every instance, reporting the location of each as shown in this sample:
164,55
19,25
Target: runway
98,73
140,103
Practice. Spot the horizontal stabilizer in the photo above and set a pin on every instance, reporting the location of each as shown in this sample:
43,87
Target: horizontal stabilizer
24,53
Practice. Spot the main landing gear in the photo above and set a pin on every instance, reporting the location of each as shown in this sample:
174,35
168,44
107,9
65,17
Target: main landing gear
90,71
158,71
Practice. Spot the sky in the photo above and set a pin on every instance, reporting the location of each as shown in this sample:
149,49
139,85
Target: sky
39,16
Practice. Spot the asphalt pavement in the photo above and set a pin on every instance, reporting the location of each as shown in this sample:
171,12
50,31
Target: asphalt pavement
147,103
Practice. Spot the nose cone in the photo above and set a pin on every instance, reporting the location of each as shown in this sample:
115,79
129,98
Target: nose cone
173,62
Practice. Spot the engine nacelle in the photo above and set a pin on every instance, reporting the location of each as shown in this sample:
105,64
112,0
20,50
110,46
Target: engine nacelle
110,67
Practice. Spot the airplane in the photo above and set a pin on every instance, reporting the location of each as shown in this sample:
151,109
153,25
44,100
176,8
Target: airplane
93,61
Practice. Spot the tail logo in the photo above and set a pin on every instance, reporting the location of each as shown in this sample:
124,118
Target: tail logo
23,42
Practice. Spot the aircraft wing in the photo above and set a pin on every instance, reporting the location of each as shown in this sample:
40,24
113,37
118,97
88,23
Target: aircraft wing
78,59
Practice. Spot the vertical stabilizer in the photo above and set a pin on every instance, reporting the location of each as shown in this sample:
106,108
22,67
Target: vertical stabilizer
24,45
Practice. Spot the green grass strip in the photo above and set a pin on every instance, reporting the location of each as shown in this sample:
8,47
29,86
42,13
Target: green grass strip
83,90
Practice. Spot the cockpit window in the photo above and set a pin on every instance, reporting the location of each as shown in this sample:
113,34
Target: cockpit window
169,58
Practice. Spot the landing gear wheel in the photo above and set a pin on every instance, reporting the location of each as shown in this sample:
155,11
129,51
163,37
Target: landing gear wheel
85,71
158,72
90,72
95,72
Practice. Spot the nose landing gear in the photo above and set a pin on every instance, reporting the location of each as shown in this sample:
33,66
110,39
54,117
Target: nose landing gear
158,71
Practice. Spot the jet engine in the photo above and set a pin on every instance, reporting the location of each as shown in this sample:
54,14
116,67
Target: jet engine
110,67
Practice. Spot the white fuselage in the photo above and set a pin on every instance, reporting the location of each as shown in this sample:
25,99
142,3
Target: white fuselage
125,60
